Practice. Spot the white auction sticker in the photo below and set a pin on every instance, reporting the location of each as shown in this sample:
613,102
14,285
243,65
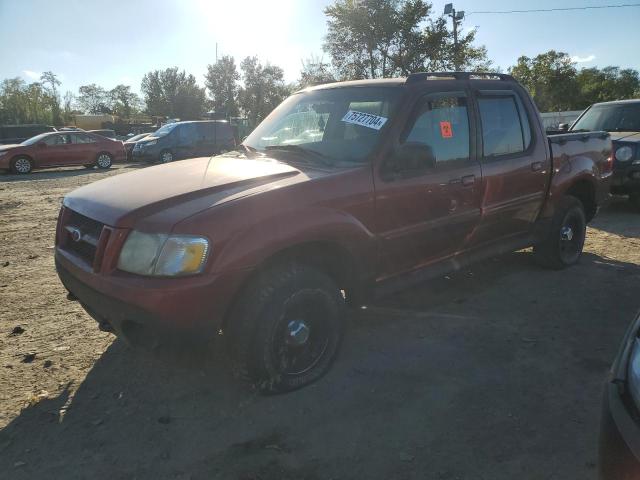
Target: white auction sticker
364,119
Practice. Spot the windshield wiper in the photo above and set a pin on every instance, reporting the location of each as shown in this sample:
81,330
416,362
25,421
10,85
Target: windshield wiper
325,160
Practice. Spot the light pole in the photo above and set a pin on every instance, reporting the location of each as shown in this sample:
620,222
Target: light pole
457,19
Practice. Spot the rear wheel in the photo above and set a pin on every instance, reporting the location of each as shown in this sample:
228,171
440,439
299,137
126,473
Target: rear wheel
565,239
104,161
287,329
166,156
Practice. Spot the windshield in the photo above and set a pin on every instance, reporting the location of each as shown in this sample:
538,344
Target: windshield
621,117
36,139
342,124
164,130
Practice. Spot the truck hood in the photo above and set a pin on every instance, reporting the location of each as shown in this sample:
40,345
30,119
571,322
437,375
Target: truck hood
626,136
192,184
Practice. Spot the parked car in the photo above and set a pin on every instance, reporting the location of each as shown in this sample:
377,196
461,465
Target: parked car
620,424
622,120
131,142
180,140
12,134
61,149
411,178
105,133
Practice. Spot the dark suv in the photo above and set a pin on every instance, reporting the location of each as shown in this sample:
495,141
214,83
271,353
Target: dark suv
185,140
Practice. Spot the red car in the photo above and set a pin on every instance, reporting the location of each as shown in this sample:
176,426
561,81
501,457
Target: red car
61,149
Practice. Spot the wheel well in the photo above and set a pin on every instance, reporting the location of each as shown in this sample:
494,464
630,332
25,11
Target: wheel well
330,258
584,191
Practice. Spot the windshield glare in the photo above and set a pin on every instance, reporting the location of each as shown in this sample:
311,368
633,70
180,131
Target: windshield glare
36,139
611,118
343,124
164,130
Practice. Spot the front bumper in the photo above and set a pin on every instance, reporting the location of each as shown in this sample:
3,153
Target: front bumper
144,155
626,179
152,311
619,438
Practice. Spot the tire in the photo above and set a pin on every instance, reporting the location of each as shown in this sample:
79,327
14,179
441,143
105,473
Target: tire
287,329
166,156
565,239
21,165
104,161
634,198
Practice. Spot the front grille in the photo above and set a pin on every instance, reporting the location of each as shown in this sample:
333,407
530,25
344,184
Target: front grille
81,236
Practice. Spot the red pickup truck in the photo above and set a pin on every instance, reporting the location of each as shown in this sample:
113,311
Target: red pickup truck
344,192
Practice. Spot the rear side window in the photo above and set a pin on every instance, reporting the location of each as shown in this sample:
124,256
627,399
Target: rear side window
443,125
82,138
505,128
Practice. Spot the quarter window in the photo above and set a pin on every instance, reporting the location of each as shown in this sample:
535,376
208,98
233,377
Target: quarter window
505,127
443,125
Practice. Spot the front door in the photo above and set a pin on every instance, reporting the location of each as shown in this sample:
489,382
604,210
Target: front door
426,208
57,151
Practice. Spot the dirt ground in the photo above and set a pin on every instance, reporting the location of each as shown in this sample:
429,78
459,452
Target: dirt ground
495,372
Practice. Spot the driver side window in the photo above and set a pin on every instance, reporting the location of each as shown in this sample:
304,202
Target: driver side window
442,125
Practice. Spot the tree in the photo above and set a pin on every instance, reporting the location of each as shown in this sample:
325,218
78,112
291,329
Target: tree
51,84
123,102
610,83
315,72
24,103
173,94
221,81
93,99
551,80
381,38
264,89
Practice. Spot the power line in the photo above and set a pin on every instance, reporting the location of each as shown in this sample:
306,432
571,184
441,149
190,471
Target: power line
537,10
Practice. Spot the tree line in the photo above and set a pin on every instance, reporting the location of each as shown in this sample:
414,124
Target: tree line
365,39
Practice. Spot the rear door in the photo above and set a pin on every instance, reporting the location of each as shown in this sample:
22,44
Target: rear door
84,148
207,139
426,212
225,139
515,165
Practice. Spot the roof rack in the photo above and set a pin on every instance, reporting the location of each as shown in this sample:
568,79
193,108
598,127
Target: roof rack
422,76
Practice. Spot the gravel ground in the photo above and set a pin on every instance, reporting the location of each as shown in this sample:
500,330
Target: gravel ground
495,372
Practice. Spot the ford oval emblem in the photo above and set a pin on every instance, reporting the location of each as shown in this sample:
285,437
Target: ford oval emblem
76,234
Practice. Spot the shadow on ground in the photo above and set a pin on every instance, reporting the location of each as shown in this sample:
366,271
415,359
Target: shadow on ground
494,372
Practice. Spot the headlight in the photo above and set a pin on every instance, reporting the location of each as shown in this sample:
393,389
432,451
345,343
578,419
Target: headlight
633,374
163,255
148,144
624,154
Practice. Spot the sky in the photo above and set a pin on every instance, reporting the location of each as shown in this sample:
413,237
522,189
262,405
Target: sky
114,42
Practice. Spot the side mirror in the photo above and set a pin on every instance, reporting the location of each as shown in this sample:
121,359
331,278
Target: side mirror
563,127
41,144
412,157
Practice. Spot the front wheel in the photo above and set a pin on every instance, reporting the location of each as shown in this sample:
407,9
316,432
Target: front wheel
565,239
166,156
104,161
288,328
21,165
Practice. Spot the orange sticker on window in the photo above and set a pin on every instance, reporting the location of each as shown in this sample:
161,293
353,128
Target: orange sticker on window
445,130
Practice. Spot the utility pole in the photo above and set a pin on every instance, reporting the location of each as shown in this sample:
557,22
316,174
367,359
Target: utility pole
457,20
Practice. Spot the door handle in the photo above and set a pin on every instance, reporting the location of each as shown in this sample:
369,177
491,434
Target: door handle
536,166
465,181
